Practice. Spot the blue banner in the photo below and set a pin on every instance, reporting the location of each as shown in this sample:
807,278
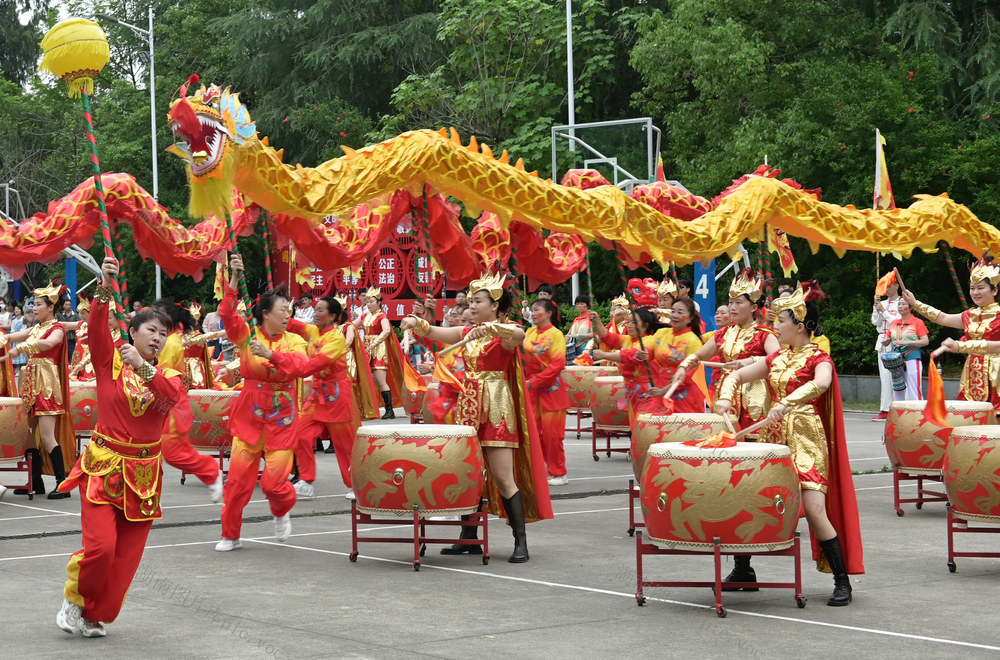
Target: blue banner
704,293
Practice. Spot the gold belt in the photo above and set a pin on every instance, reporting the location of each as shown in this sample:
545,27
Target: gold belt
485,376
126,449
269,385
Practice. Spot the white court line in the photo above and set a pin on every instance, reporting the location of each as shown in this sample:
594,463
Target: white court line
38,508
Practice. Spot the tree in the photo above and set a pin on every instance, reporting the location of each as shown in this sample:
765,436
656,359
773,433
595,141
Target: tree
19,40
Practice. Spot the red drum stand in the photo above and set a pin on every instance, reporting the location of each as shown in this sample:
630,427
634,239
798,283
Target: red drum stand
633,496
643,549
606,433
899,474
420,539
957,525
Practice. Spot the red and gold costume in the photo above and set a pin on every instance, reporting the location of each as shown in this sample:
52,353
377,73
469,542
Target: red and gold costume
376,340
263,419
81,354
384,352
495,405
175,443
980,379
45,389
360,373
813,429
443,405
330,403
119,474
544,362
739,342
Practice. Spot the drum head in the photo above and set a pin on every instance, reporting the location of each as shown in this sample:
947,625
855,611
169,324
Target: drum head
742,450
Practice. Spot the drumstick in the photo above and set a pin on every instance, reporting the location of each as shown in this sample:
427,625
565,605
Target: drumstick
673,388
458,344
938,352
713,365
899,280
729,422
750,429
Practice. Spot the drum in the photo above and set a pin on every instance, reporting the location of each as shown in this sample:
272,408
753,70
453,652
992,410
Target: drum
746,495
83,404
971,472
917,447
437,468
230,380
414,401
211,412
893,361
652,429
608,392
580,383
13,429
430,396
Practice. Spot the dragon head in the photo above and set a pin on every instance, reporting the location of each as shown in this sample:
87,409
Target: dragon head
208,124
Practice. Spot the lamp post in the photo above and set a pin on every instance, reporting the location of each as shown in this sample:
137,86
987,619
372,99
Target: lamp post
148,36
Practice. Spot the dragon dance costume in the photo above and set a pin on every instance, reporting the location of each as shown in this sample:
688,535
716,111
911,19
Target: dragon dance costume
263,419
544,362
119,473
667,350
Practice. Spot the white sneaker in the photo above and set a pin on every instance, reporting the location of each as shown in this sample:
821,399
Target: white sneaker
350,494
69,617
225,545
215,489
283,526
558,481
92,628
305,490
3,490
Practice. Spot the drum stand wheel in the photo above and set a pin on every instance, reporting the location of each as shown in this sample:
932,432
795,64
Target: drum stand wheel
633,496
958,525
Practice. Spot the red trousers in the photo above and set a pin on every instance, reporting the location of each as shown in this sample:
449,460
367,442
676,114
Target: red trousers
98,577
342,437
178,452
244,463
552,427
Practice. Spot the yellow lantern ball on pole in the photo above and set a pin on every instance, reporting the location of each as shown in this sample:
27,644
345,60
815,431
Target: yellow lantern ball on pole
75,50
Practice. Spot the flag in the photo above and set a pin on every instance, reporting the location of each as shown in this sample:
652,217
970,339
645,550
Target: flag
777,241
724,439
935,412
220,278
443,375
660,176
883,198
883,284
411,379
698,376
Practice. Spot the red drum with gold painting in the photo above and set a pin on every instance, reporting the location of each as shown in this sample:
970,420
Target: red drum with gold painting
83,404
680,427
211,412
917,446
437,468
746,495
580,383
606,409
971,472
13,429
414,401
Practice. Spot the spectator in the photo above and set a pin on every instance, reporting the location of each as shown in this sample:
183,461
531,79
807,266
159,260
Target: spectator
461,298
136,306
213,323
68,315
17,325
883,314
304,308
5,316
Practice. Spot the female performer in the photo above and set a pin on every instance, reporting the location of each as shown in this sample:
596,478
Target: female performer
981,324
176,444
640,335
331,402
743,339
907,334
45,392
494,404
544,361
263,419
358,367
119,474
806,416
81,367
384,352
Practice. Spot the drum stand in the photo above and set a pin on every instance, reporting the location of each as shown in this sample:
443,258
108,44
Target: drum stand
642,549
633,496
958,525
479,519
609,432
901,473
22,464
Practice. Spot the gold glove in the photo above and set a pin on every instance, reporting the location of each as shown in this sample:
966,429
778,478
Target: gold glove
233,368
728,387
146,372
501,330
3,341
104,294
688,363
422,328
972,347
802,395
928,312
27,347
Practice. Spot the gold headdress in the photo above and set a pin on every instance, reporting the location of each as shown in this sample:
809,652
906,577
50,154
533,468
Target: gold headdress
796,303
53,292
82,305
491,284
374,292
748,282
620,301
985,269
341,300
195,310
667,288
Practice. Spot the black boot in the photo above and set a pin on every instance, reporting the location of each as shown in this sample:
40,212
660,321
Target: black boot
387,398
841,582
742,572
37,486
59,469
318,447
515,514
468,532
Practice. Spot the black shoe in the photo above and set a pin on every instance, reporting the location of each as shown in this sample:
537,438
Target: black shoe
841,582
515,514
38,486
58,495
742,572
387,399
59,469
468,533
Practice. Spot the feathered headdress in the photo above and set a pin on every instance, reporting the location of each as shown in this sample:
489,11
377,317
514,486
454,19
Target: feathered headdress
796,303
667,288
490,283
53,292
374,292
985,269
748,282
